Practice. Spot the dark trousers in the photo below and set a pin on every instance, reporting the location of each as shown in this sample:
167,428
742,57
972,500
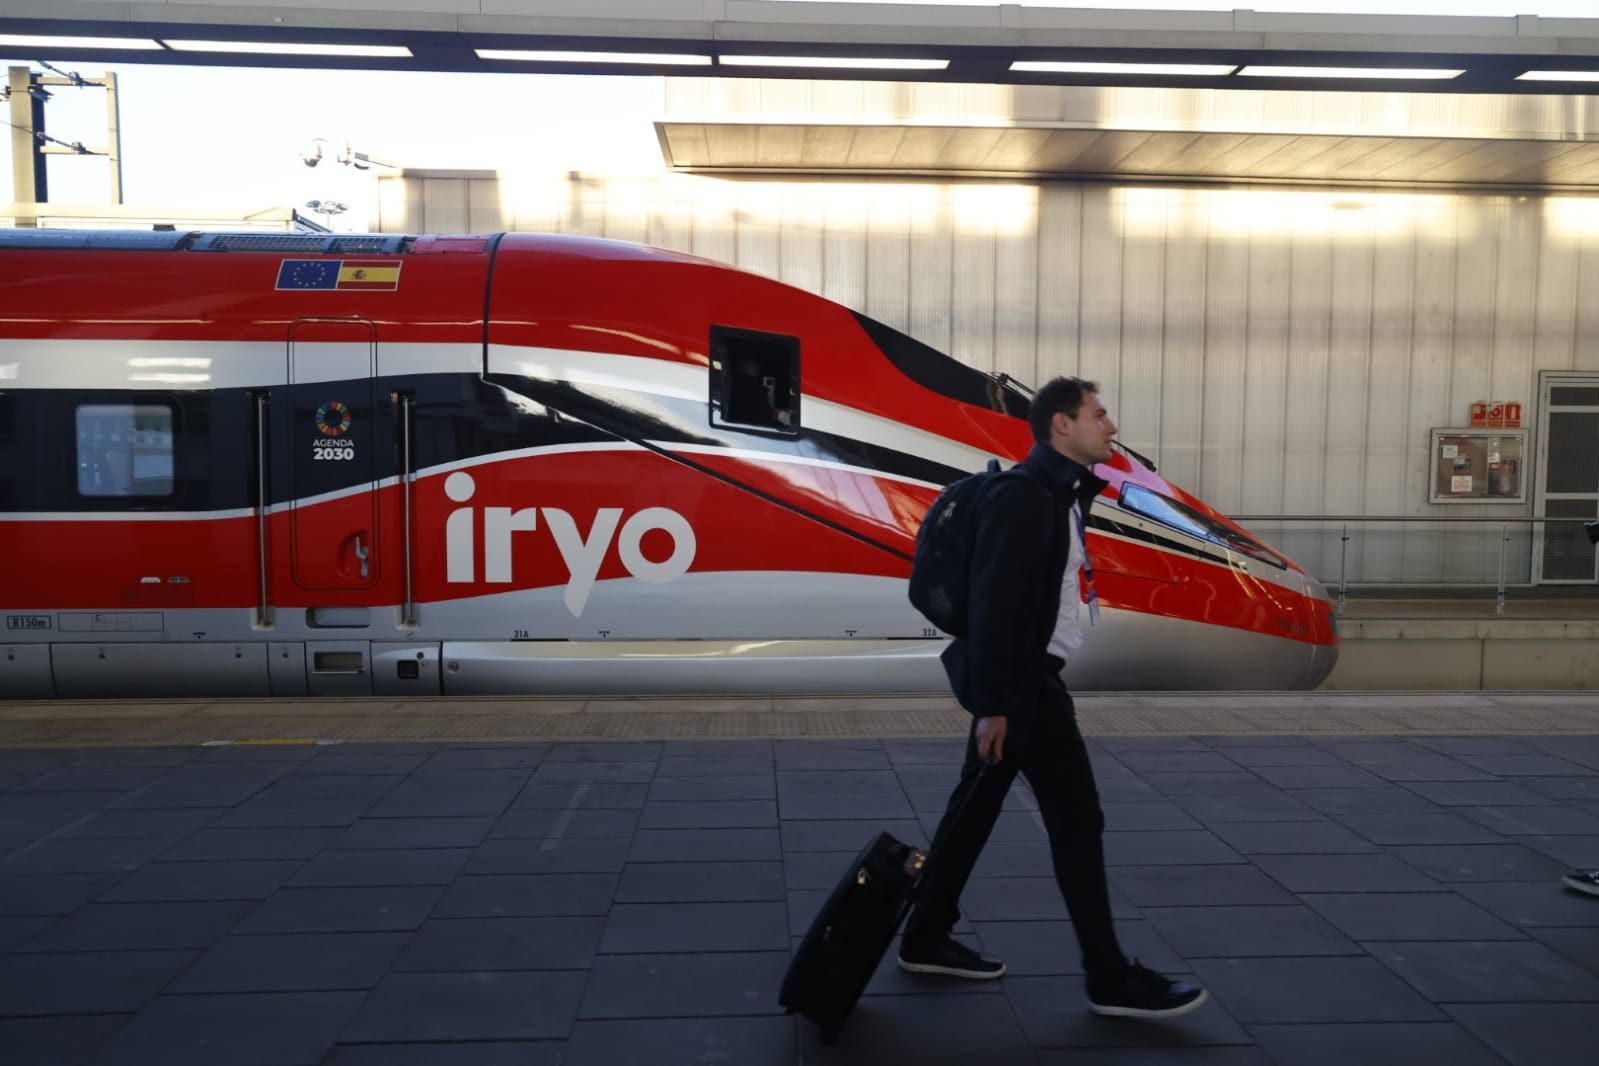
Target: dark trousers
1055,760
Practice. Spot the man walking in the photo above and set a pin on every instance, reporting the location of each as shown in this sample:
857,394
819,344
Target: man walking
1028,566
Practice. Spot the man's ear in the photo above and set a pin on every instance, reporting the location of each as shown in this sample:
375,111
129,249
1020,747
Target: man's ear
1060,422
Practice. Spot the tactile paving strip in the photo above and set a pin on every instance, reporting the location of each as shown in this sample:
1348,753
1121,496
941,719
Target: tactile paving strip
156,723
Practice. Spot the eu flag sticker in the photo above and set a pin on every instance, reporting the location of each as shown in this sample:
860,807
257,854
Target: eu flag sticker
309,274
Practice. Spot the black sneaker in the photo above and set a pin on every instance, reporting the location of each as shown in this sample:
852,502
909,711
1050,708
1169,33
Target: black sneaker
1583,881
947,956
1143,993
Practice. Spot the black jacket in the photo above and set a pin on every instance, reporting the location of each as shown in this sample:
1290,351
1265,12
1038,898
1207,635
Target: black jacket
1023,541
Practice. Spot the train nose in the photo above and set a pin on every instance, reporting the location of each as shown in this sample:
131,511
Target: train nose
1323,657
1324,632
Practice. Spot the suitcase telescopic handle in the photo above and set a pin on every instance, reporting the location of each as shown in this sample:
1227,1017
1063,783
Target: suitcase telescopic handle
922,858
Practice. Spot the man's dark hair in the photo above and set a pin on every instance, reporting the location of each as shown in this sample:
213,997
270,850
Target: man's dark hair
1059,395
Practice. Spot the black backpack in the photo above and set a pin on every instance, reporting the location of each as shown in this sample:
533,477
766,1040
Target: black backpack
941,569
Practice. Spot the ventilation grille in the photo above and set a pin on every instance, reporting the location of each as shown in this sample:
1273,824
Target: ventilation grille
260,242
166,241
305,243
135,240
365,245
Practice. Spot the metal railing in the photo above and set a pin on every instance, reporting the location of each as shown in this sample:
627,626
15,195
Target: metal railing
1342,525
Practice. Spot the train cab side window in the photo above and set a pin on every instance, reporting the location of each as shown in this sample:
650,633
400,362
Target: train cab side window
125,449
755,380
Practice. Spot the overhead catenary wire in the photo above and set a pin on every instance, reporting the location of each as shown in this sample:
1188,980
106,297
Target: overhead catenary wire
77,80
45,138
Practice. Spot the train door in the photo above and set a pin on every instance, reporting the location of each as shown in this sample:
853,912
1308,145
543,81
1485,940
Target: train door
334,526
1568,481
336,546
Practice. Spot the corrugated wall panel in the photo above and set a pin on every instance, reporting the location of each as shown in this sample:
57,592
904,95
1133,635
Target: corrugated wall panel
1266,370
1305,392
888,250
1515,302
1472,548
1276,350
585,206
625,211
399,207
1059,267
972,326
1016,305
1555,322
1180,390
799,254
1585,341
1136,402
1345,411
1512,372
534,205
756,219
1477,255
715,231
1221,473
1389,441
485,206
932,302
1344,405
444,203
1432,338
844,252
671,216
1101,316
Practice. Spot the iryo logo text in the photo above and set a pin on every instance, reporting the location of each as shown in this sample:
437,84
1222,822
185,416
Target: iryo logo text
582,555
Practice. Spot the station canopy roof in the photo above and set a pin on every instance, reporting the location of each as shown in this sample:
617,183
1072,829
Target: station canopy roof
1168,95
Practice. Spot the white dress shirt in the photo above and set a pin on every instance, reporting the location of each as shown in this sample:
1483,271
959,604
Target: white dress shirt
1067,639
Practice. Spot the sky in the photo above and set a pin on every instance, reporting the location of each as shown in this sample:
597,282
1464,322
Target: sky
234,137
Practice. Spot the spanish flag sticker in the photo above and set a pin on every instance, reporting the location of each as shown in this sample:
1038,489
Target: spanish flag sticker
369,274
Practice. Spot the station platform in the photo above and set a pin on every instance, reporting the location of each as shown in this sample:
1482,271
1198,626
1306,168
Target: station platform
1356,877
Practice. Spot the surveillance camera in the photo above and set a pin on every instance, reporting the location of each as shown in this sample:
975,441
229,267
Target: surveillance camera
312,155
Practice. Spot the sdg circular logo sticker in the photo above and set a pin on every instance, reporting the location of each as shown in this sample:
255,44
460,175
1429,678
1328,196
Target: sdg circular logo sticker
332,418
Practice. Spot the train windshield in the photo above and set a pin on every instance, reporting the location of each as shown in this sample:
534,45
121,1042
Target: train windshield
1169,512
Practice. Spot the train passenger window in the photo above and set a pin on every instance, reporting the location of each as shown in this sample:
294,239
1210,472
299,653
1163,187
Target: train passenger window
125,449
754,380
1180,516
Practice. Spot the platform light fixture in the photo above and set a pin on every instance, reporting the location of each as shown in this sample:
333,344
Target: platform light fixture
291,48
1559,75
312,155
832,62
661,59
1179,70
28,40
1359,73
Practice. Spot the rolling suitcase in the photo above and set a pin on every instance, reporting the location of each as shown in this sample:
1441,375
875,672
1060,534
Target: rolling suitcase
847,940
855,926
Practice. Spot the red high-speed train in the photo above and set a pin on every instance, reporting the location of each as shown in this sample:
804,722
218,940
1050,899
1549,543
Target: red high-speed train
282,464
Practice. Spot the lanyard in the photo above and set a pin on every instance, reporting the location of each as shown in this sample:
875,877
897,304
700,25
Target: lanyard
1090,593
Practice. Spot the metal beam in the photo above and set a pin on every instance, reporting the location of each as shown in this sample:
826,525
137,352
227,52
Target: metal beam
980,44
29,180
